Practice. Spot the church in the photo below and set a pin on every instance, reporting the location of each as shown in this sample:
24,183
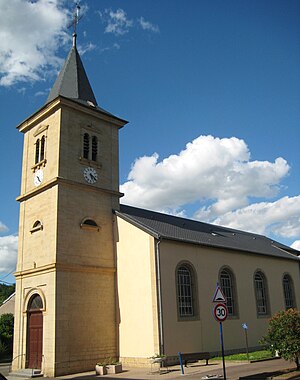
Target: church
97,279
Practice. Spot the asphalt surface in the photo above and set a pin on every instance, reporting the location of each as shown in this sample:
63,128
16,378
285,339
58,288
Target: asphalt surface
265,370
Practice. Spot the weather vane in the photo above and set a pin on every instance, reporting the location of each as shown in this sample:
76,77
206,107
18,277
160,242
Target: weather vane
76,18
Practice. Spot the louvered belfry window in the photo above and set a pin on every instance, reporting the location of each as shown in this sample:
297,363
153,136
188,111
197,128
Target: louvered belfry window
40,145
94,148
37,151
86,145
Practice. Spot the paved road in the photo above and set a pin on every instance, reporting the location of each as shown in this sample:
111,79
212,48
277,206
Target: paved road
234,371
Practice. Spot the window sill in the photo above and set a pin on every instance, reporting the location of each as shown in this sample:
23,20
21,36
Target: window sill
38,165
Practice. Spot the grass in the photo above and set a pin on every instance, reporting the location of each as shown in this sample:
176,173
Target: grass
257,355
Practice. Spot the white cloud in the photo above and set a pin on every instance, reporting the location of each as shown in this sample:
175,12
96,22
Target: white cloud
116,22
30,33
82,49
3,227
281,217
8,253
146,25
208,168
296,245
219,174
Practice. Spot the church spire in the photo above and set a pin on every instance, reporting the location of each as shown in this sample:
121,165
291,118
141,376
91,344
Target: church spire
72,82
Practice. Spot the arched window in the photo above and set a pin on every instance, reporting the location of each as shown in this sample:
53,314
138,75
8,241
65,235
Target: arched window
40,149
186,291
89,224
37,151
35,303
260,286
288,291
42,155
227,283
86,145
94,148
37,225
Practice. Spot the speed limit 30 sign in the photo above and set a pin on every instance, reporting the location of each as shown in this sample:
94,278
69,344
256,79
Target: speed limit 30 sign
220,312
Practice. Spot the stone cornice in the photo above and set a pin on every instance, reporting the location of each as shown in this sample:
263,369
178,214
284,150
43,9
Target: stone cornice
62,181
63,267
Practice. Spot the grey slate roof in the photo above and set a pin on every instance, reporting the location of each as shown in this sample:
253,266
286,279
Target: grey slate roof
163,226
72,83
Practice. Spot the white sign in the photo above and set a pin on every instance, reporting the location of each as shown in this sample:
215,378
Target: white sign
219,296
220,312
245,326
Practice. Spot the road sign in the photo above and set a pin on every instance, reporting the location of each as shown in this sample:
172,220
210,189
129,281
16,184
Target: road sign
245,326
219,296
220,312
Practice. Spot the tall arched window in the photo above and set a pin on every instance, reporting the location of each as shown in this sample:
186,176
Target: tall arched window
40,149
260,286
186,291
42,153
37,151
227,283
86,145
288,291
94,148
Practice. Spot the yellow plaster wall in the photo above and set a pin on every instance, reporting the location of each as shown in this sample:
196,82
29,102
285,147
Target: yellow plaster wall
85,319
43,283
203,334
136,294
75,266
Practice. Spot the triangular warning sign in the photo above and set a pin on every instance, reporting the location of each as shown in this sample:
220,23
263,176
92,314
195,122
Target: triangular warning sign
219,296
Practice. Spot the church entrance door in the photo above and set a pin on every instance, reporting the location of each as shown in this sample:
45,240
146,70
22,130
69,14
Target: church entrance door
35,340
34,336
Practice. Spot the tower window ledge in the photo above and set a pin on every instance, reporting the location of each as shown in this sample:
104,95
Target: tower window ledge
39,165
85,161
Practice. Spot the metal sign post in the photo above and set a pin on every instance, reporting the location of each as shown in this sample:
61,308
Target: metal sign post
245,327
220,312
222,347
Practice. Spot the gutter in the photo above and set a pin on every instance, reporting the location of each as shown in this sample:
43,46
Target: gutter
159,297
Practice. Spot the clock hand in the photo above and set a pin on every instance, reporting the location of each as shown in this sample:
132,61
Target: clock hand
93,177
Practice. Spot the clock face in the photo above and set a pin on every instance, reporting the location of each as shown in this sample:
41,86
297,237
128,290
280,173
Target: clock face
38,177
90,175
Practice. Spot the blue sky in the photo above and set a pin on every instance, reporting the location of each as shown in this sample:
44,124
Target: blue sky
211,90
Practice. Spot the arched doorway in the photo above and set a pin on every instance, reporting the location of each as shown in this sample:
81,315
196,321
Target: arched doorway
34,332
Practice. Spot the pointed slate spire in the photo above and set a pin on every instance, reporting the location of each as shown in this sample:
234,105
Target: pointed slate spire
72,82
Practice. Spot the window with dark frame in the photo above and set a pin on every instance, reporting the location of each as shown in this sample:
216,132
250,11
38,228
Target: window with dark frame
261,293
40,150
288,292
37,151
227,286
185,292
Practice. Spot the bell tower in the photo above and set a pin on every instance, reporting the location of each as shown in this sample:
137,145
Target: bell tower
65,319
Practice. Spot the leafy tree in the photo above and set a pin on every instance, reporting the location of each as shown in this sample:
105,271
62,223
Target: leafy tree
6,291
284,335
7,330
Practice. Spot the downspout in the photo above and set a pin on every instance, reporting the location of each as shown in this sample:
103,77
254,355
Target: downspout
159,298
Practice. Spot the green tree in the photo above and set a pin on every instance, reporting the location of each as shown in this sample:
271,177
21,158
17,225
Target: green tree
7,330
6,291
284,335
